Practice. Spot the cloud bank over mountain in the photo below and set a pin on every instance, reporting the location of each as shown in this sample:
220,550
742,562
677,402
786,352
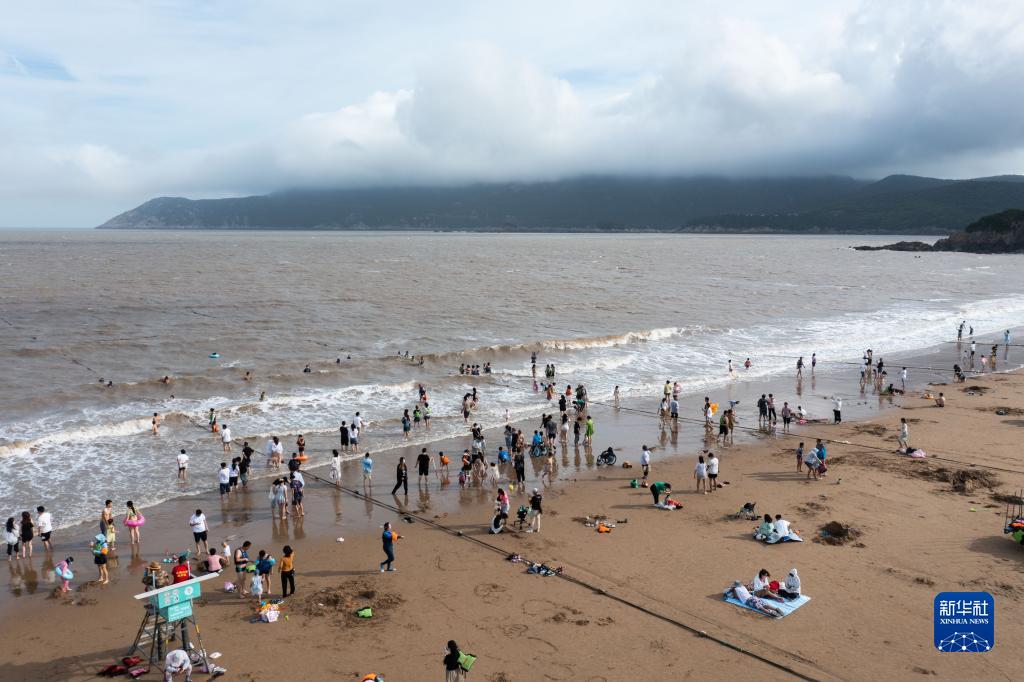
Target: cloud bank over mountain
107,107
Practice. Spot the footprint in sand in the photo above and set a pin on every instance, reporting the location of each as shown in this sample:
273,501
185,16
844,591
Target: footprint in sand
489,593
515,630
541,607
558,671
543,647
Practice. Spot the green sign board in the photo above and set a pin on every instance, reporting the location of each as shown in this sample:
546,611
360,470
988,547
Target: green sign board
176,612
178,595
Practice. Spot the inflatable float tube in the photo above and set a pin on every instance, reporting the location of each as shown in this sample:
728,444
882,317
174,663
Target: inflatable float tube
139,520
301,458
215,355
66,574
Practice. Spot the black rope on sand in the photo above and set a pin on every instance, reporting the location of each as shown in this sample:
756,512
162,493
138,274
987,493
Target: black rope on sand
576,581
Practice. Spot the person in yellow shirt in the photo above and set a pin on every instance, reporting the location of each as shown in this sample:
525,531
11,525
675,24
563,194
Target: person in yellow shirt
287,570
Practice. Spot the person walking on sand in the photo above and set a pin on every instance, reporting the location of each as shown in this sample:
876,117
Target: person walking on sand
287,571
367,471
645,463
401,476
549,469
712,471
787,417
903,440
800,457
424,463
64,572
297,483
100,549
903,378
336,467
453,671
388,538
199,531
535,511
700,474
182,460
225,438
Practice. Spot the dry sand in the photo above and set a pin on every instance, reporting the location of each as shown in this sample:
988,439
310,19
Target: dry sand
620,608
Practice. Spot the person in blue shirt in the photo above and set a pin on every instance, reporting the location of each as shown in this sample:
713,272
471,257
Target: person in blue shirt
367,470
388,538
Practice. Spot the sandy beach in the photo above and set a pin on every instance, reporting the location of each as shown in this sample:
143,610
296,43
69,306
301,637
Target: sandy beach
643,599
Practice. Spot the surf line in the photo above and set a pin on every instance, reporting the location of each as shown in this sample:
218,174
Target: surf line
581,583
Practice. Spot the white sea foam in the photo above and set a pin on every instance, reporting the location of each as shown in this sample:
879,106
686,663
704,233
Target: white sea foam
108,452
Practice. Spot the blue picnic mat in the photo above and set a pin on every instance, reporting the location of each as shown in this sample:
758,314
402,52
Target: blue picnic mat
787,607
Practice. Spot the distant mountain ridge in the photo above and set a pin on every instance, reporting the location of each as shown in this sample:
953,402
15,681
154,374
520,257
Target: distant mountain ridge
896,204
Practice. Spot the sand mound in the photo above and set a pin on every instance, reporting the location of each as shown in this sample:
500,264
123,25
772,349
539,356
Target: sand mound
964,480
961,480
975,389
340,603
836,533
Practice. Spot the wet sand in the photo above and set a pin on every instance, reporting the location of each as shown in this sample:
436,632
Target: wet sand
624,599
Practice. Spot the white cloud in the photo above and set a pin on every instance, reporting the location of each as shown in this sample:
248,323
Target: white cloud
218,98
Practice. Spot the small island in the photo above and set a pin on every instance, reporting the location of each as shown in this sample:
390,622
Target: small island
996,233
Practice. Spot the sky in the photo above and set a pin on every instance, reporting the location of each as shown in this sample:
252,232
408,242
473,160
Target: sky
106,104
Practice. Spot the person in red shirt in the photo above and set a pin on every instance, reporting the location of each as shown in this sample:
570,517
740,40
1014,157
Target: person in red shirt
182,571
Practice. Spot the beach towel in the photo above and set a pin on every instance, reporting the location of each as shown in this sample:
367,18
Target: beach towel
775,539
787,607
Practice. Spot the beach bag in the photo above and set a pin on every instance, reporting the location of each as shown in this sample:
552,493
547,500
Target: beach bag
634,483
466,661
774,586
366,612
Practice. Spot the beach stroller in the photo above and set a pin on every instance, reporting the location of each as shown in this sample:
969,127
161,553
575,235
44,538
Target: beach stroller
1013,519
521,516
